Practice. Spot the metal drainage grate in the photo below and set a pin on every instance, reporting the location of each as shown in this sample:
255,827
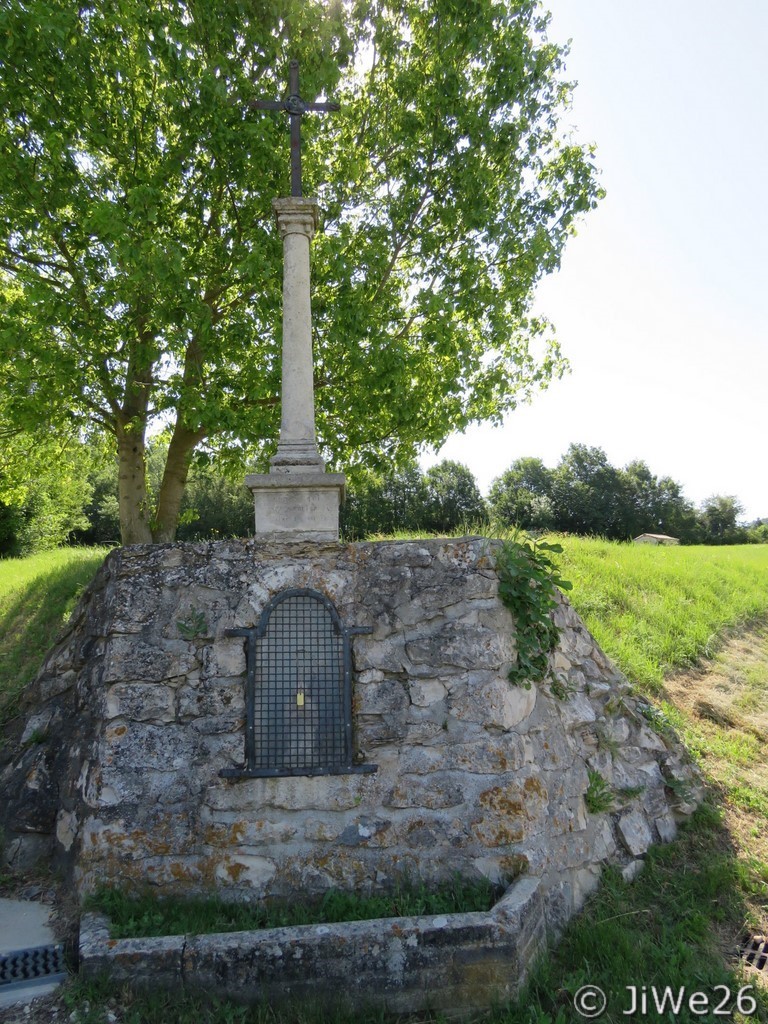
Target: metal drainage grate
28,966
755,952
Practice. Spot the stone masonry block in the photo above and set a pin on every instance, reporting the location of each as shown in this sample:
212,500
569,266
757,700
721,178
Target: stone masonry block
635,832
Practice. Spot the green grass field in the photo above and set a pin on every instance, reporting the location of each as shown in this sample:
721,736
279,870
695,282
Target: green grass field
657,609
687,625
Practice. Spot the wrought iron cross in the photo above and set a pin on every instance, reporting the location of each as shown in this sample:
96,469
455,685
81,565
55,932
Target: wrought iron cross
295,106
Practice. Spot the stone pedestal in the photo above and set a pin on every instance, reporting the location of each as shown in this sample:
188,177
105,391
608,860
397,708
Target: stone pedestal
297,499
297,506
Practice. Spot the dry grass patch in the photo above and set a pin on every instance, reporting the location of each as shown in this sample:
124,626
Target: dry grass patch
722,712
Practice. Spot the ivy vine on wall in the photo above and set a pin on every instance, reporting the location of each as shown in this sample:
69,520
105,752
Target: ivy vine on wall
528,579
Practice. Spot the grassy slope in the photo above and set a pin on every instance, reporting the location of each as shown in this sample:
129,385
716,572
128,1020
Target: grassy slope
654,610
37,596
658,612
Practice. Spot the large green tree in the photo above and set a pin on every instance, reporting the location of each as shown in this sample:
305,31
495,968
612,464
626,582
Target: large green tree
719,517
656,505
44,489
454,500
522,495
588,493
140,269
386,503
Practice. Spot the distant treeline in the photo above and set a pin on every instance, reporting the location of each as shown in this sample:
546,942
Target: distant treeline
584,495
76,503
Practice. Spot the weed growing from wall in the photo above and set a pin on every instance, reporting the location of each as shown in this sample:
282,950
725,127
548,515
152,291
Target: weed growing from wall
193,626
528,579
599,795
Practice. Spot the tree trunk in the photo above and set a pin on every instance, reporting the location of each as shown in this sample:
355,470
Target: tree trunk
132,487
183,444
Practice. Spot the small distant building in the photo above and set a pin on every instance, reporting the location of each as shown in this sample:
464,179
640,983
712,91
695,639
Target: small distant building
655,538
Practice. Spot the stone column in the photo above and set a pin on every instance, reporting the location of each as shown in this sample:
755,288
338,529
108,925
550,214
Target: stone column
297,450
297,500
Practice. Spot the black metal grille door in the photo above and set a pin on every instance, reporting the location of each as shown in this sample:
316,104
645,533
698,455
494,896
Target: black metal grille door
298,690
299,710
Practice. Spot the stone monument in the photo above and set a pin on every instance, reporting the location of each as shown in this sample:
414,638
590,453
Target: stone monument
297,499
260,720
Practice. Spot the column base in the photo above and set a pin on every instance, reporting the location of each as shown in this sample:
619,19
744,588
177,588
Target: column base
296,457
297,506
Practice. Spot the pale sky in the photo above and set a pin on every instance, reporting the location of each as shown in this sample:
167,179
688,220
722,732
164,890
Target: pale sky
661,304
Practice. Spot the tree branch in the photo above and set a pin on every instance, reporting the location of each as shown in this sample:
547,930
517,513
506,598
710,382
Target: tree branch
400,245
35,261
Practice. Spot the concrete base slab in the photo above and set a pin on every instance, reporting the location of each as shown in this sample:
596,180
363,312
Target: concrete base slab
24,994
25,925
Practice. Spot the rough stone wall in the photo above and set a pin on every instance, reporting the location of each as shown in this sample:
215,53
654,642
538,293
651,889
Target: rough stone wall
142,704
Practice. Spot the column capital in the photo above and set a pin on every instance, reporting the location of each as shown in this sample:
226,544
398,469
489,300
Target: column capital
296,216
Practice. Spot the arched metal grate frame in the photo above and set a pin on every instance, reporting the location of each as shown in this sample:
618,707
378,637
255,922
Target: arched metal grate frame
298,690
